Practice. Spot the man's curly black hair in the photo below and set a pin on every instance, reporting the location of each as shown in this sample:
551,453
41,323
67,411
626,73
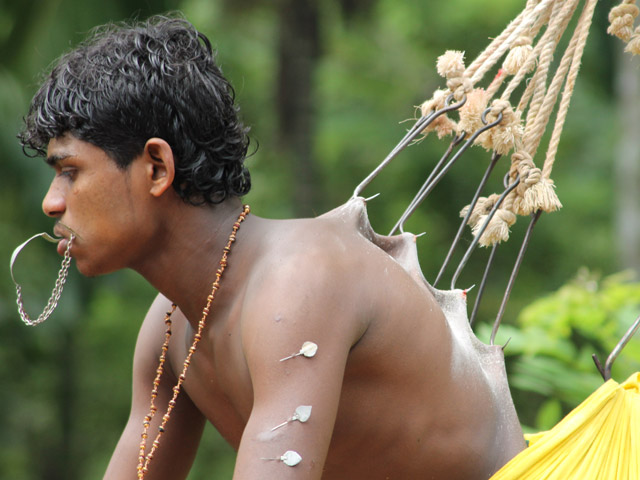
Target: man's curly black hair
157,78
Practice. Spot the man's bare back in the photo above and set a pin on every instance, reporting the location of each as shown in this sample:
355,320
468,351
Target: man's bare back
411,397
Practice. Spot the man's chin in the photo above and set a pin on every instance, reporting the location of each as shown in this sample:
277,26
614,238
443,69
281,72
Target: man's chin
91,271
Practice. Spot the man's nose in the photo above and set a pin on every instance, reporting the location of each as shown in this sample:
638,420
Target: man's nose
53,204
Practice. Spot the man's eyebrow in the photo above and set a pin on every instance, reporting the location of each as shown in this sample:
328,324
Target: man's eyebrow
53,160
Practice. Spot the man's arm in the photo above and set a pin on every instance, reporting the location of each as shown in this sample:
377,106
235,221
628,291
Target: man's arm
178,445
302,302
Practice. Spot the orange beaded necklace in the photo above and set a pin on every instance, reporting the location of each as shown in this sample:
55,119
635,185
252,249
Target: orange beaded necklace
144,459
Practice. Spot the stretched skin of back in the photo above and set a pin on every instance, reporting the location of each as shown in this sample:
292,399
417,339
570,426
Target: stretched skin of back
438,395
420,395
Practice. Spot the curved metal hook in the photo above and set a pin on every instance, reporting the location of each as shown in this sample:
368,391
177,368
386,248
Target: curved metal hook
606,371
494,159
514,273
429,186
19,248
475,241
418,127
417,199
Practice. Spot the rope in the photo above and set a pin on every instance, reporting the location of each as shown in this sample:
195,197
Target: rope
544,98
525,59
621,19
581,40
529,43
499,47
530,62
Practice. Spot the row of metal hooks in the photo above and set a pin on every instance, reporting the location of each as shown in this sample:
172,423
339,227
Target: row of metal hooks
443,166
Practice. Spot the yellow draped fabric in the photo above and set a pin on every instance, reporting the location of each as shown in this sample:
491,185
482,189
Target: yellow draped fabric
599,439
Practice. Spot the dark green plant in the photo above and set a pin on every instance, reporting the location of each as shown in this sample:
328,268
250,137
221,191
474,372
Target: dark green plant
549,351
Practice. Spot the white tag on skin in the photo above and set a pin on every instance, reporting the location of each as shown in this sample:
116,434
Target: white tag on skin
308,350
290,458
302,414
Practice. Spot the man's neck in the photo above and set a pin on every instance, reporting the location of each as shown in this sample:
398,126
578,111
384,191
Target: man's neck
182,263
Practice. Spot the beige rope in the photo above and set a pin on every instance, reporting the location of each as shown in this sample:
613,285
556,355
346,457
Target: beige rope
583,27
634,44
499,227
505,136
621,20
500,49
535,124
500,39
531,61
543,103
526,47
471,111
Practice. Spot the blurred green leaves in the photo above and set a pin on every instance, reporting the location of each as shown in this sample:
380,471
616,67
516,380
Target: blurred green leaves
550,347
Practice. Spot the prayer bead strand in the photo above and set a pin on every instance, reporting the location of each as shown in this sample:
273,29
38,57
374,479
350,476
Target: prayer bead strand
144,459
154,391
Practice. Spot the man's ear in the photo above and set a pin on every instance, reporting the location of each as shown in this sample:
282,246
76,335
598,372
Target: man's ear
160,166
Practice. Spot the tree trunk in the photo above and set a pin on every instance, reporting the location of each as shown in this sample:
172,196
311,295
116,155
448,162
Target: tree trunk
627,163
298,51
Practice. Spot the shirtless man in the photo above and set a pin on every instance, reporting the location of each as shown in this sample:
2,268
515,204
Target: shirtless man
142,132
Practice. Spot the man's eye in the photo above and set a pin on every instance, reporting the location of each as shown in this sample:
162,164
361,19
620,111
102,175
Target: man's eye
67,172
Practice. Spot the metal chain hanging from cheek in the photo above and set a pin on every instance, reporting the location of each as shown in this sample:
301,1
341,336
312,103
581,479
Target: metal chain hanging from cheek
57,289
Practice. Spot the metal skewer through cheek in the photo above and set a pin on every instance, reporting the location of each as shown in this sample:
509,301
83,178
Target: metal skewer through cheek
57,289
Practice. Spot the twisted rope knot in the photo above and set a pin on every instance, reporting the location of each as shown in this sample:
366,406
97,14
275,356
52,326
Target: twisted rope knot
634,44
503,107
621,20
497,230
529,173
451,64
507,134
435,103
518,55
460,86
627,7
443,125
482,208
521,156
534,192
522,41
471,111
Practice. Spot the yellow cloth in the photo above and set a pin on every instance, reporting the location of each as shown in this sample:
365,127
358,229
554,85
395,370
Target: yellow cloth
599,439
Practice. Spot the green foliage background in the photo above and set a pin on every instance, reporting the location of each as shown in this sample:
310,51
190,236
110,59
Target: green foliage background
66,384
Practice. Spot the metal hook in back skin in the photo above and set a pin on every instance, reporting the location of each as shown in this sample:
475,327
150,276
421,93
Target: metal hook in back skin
57,289
416,130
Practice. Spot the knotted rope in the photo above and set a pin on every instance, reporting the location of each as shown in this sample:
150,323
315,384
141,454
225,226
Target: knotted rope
488,116
527,48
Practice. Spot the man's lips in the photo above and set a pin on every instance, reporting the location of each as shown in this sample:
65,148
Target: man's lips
62,245
64,232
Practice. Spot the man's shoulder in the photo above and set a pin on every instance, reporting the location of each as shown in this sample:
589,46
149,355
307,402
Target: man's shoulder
153,329
307,267
309,254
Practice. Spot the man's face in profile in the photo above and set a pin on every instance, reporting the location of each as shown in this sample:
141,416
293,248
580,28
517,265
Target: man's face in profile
100,203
